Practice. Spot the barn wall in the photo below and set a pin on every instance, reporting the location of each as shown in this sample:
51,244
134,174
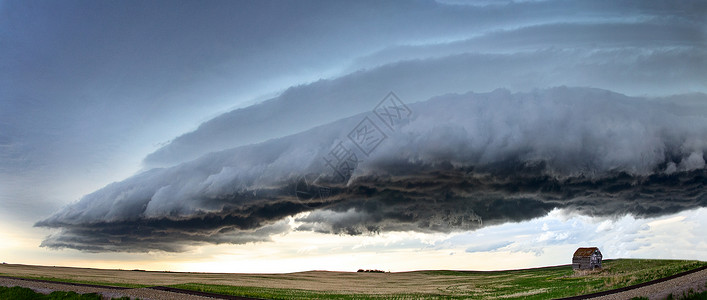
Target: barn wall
581,260
581,263
596,260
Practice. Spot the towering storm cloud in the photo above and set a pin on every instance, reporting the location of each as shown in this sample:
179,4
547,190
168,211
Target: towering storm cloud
454,162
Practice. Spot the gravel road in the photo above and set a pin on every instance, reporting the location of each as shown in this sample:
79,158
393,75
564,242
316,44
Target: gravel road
107,292
676,286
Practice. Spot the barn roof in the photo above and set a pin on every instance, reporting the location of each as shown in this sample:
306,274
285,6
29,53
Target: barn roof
585,251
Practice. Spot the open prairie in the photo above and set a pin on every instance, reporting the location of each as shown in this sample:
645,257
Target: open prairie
539,283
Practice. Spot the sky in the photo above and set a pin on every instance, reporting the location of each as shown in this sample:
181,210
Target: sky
283,136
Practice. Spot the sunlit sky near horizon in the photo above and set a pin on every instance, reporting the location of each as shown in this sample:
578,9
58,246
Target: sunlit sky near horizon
200,136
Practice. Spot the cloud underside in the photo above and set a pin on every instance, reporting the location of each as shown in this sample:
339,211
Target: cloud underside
431,200
459,162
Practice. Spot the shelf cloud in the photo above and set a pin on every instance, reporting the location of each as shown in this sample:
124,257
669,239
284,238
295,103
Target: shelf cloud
454,162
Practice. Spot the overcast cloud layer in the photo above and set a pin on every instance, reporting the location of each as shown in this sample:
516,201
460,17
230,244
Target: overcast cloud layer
636,49
458,162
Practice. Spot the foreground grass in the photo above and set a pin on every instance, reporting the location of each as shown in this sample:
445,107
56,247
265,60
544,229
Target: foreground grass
694,296
28,294
542,283
275,293
68,280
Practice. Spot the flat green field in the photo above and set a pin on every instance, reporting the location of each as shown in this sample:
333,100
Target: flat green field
540,283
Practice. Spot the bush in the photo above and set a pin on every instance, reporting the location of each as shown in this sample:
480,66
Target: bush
370,271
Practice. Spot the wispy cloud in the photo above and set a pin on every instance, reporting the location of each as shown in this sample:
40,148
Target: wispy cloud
488,247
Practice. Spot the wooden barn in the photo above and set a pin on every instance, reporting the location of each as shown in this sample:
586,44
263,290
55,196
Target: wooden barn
586,259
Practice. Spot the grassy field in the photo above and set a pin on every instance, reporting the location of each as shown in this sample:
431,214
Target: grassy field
541,283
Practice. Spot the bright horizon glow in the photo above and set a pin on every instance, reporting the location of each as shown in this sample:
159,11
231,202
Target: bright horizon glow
538,243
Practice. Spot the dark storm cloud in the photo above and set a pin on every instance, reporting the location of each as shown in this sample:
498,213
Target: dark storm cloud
88,88
91,87
463,200
460,163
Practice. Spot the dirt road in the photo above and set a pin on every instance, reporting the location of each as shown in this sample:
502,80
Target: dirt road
696,282
108,292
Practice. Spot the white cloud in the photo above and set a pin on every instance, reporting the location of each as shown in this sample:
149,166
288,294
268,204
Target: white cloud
485,249
488,247
677,236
